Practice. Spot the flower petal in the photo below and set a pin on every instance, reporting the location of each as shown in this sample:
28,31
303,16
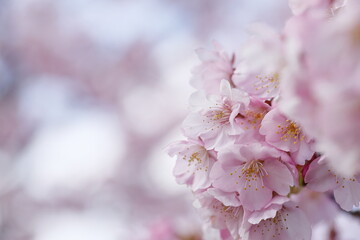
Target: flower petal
348,194
279,177
318,177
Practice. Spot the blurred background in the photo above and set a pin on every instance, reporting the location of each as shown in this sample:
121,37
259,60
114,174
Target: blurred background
91,92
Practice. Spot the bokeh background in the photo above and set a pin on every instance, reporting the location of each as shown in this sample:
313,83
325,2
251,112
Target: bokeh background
91,92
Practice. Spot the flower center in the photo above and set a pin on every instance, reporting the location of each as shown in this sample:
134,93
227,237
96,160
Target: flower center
232,212
268,82
196,160
253,118
227,211
291,132
250,173
219,114
254,167
195,157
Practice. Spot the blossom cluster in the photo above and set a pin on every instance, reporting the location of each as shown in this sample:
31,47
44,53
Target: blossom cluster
272,133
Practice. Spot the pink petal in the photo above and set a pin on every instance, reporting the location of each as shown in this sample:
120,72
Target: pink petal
318,177
200,180
269,211
290,224
226,181
228,199
279,177
254,197
304,153
348,194
299,227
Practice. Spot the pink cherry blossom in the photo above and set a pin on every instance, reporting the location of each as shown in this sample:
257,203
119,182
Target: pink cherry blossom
346,190
219,215
257,84
289,222
254,171
213,116
193,163
215,66
286,135
261,61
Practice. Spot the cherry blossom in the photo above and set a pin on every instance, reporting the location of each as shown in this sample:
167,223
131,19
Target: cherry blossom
261,61
254,171
289,222
286,135
219,215
193,163
213,116
215,66
346,190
